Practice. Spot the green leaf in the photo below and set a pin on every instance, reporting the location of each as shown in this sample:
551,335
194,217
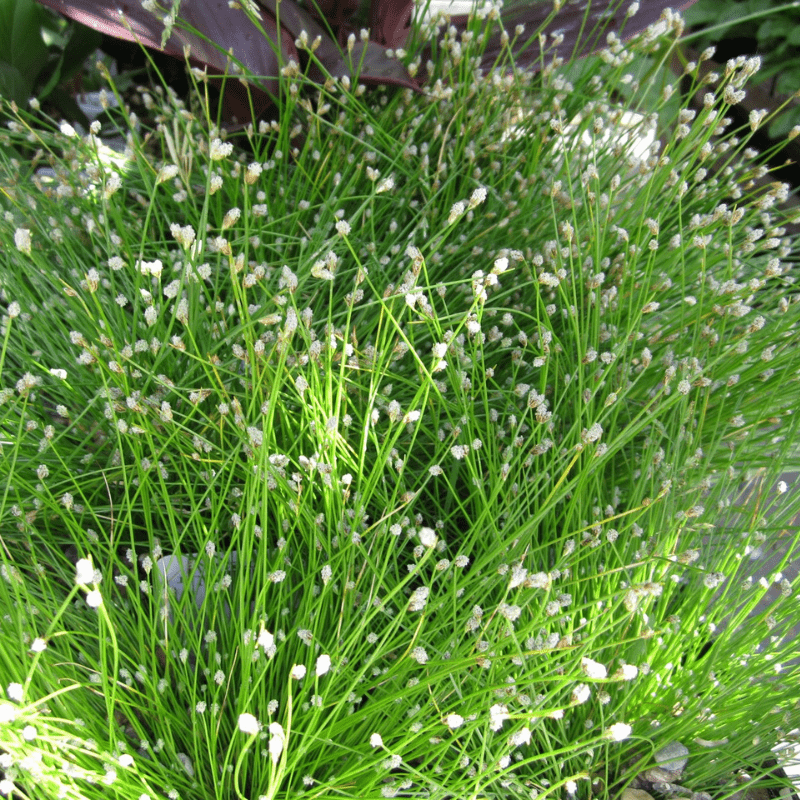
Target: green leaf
13,84
779,127
21,42
788,81
54,30
81,43
703,12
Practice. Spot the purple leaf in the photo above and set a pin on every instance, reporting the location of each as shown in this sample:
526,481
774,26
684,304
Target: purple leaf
215,22
390,23
376,66
584,25
213,28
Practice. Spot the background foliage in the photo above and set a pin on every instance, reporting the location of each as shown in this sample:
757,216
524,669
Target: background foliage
767,28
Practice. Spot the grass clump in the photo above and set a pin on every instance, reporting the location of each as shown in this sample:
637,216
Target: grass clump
455,415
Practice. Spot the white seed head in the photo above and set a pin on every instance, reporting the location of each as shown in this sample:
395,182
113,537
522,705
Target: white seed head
248,724
277,741
619,731
498,714
219,149
22,240
84,572
580,694
94,599
593,669
427,537
323,665
265,639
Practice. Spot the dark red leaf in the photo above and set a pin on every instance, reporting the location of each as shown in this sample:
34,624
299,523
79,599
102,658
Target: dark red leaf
376,67
220,24
584,26
390,23
337,14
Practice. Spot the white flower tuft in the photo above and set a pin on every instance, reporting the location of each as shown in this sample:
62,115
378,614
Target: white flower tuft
220,150
455,212
323,664
84,572
593,669
427,537
477,197
248,724
22,240
498,714
276,742
580,694
265,639
94,599
619,731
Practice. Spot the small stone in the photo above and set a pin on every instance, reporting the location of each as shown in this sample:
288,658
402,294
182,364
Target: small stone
658,775
664,788
751,793
672,757
636,794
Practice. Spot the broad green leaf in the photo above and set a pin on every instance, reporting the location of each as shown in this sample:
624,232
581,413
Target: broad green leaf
781,126
21,42
13,84
82,42
788,81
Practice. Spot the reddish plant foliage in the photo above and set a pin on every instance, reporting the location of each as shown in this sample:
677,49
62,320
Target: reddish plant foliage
213,28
